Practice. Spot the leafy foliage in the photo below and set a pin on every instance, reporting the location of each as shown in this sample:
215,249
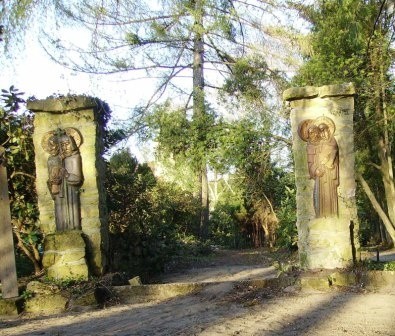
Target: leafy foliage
239,149
245,79
16,129
338,42
287,235
149,219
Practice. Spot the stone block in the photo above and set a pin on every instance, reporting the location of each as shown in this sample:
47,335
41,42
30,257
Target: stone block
53,257
85,300
90,212
39,288
64,255
62,104
91,225
10,307
300,92
319,283
343,279
63,241
67,271
46,304
345,89
379,280
136,281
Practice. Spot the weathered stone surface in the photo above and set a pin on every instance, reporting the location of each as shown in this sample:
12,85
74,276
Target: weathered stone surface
46,304
300,92
39,288
72,270
136,281
379,280
346,89
62,241
64,255
325,242
343,279
62,104
53,257
10,307
314,283
82,113
85,300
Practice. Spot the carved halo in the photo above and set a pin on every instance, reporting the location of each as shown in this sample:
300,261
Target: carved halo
70,131
75,134
303,129
327,121
45,138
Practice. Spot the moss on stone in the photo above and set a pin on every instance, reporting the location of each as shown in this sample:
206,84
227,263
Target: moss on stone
62,241
10,307
68,271
48,304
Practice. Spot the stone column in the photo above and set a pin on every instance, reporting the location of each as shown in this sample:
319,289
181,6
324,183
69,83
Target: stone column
8,278
326,240
83,114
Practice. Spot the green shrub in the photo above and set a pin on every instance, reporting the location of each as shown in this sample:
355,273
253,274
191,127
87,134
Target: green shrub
147,217
287,235
227,226
382,265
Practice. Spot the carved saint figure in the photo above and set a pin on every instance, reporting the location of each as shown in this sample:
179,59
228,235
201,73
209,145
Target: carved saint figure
64,176
55,173
323,163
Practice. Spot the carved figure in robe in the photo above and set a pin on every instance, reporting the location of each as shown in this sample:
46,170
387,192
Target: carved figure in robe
55,174
54,164
72,180
65,176
323,163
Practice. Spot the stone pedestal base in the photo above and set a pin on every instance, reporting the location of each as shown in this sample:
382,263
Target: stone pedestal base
326,243
64,256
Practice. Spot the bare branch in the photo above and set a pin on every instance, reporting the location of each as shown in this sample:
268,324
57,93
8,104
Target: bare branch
22,173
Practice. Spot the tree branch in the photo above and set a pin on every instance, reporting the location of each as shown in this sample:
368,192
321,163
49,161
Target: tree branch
22,173
376,205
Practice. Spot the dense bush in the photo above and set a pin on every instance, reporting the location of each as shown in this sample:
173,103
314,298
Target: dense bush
227,226
149,219
287,235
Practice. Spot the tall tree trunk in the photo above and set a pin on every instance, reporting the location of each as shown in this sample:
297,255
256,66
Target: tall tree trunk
214,191
388,180
199,111
376,205
385,150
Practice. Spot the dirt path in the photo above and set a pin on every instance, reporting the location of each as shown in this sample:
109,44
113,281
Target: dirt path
224,309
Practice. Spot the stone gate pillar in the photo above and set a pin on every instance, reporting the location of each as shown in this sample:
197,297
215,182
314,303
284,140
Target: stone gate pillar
77,118
323,150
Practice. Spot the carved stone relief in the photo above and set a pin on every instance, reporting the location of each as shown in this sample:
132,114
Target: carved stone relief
64,175
323,163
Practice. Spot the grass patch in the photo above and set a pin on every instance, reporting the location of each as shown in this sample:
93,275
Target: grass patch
382,265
